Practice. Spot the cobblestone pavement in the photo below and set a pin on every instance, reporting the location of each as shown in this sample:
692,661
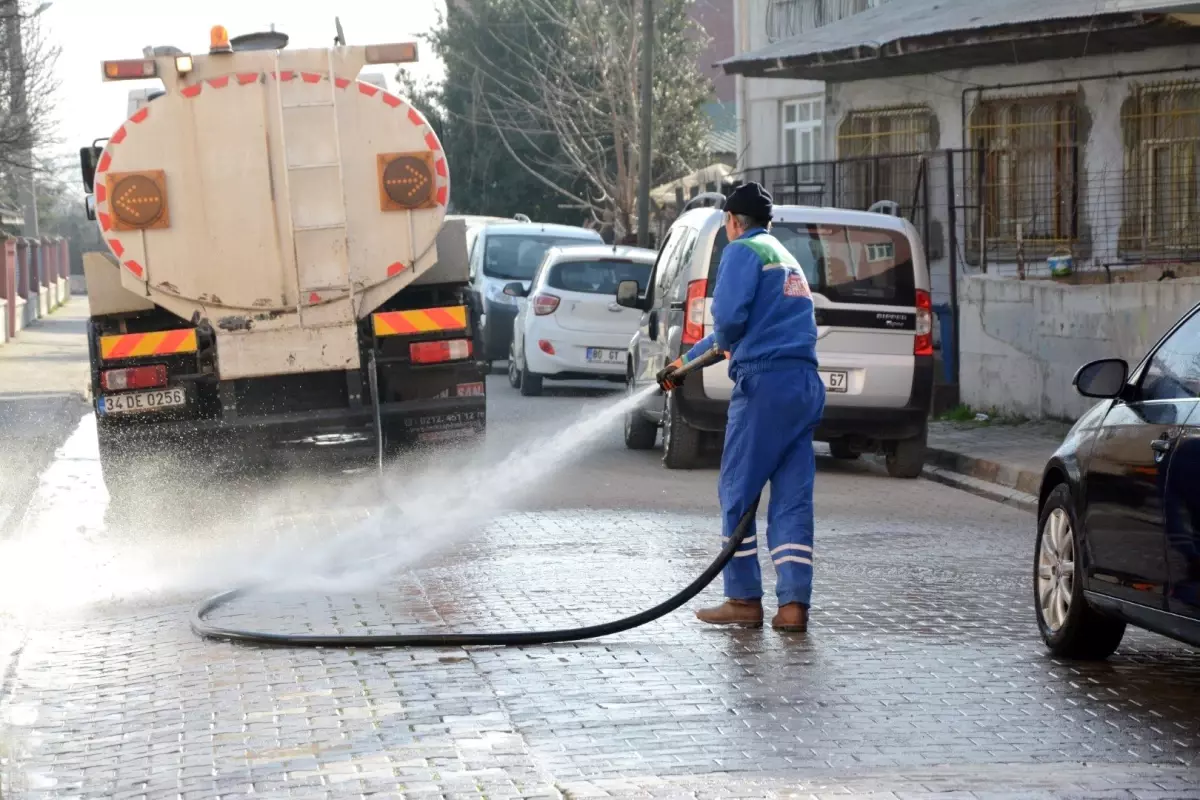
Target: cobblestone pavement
921,675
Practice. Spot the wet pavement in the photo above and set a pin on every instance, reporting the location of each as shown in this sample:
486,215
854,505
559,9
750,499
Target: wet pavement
922,673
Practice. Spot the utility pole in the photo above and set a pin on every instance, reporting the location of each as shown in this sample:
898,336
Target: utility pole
647,102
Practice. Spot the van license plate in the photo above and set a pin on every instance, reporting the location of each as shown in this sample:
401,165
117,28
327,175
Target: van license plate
835,381
133,402
604,356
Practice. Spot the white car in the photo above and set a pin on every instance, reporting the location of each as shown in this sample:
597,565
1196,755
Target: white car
569,326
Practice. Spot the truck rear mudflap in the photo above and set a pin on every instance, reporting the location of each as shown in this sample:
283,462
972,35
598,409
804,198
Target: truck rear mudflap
151,400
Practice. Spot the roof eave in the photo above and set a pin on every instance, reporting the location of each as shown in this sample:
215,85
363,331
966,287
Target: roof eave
983,47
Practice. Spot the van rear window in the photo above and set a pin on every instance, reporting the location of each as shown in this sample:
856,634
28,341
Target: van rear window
847,264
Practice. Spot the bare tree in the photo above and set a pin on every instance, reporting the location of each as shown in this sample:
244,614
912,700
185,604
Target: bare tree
564,100
27,87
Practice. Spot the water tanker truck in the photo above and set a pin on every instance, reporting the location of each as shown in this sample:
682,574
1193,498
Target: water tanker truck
280,271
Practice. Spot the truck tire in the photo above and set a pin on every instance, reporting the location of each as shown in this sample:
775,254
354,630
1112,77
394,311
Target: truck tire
119,466
640,433
906,457
681,442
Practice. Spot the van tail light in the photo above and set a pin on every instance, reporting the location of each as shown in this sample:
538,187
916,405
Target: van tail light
923,342
119,380
693,312
544,304
437,352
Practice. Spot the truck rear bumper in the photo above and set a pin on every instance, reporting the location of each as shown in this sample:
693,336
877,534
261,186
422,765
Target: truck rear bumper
319,434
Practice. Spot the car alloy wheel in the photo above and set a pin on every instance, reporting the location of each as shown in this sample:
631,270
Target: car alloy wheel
1056,569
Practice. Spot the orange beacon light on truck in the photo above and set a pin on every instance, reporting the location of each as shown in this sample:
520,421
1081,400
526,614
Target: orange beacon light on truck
218,40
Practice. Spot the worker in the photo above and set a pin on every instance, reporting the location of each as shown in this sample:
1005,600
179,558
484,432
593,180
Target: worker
763,321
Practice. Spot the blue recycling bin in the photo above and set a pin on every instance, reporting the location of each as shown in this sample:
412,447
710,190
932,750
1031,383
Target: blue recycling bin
945,315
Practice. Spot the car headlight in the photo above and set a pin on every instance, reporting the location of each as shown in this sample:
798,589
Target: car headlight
495,293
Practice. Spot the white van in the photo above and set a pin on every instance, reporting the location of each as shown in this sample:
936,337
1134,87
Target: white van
874,315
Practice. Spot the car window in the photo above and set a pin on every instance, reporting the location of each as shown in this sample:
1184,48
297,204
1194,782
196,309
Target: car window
847,264
663,262
517,256
597,276
679,274
1173,372
670,268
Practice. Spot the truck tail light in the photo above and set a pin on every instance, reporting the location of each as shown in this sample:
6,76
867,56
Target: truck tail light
923,341
544,304
437,352
119,380
130,69
693,319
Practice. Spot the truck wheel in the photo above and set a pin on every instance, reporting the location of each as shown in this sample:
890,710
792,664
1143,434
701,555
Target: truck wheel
906,458
681,442
118,465
640,433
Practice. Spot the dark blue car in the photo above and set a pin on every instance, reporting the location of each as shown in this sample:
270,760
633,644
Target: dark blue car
1119,510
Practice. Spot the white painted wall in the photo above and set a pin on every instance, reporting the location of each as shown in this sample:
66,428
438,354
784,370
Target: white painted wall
759,99
1023,341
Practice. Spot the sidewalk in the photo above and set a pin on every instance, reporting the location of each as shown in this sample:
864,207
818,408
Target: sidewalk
1000,461
43,382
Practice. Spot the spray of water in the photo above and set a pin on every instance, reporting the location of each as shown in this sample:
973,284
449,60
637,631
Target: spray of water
430,511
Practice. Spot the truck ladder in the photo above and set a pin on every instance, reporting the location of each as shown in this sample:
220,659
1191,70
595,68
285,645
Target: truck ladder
314,185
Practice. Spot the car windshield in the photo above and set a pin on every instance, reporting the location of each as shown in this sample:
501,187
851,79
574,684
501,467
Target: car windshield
846,264
517,257
597,277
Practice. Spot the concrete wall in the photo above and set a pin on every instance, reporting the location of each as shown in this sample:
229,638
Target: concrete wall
1022,341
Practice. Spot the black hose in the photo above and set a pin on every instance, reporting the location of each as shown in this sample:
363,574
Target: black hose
514,638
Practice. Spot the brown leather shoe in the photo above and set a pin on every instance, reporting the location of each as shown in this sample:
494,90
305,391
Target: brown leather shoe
792,618
743,613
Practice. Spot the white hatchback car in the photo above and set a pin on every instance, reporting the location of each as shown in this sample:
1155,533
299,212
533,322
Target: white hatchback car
568,325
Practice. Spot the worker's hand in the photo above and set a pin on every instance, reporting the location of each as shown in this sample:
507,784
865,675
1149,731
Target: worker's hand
667,378
726,354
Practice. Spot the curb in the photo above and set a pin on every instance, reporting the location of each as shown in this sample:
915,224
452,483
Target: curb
988,490
1010,477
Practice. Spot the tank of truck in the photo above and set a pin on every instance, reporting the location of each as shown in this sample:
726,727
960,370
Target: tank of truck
276,196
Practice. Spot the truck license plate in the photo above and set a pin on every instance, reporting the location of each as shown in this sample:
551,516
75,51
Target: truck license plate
605,356
835,381
132,402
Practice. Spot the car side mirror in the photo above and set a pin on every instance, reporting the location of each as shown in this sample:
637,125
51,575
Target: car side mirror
1103,379
515,289
89,158
89,206
627,294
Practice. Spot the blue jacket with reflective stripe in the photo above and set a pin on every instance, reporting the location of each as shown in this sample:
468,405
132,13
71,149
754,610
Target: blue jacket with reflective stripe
762,308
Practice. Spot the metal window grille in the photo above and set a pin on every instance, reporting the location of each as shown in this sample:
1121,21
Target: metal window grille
1161,128
789,18
881,153
1026,176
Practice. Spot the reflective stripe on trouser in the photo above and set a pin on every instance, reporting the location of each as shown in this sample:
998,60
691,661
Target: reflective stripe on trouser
769,438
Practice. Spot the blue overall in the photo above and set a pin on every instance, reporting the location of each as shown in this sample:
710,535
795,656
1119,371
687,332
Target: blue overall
763,316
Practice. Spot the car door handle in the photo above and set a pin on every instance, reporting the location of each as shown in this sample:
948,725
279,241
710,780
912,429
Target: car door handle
677,305
1162,445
